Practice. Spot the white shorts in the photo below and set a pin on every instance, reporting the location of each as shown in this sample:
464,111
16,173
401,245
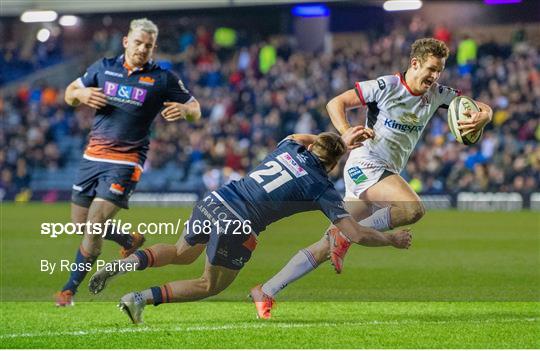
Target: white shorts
362,170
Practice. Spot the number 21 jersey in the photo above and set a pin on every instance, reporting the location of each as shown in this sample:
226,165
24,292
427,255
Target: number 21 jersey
289,180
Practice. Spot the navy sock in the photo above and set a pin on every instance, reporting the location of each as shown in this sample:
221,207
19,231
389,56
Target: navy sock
121,238
84,265
156,294
145,259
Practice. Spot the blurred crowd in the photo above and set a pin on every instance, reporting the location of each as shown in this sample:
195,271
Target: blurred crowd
253,94
18,60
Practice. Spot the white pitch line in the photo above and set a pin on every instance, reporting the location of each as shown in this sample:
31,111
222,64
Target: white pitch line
261,325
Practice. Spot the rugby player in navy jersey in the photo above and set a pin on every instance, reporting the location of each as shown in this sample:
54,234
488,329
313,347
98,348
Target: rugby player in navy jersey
127,92
292,179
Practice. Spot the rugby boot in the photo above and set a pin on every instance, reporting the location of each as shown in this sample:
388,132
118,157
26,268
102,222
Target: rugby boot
137,241
133,305
263,303
339,244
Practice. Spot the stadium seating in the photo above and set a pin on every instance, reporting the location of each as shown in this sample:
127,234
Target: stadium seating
246,112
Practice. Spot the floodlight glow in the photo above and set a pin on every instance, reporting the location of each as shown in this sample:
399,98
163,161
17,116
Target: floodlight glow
38,16
68,20
310,11
402,5
501,2
43,35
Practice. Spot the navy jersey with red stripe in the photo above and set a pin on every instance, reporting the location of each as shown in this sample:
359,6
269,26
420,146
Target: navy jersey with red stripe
289,180
120,131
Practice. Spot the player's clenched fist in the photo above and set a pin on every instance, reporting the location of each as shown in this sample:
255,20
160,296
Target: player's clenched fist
92,97
401,239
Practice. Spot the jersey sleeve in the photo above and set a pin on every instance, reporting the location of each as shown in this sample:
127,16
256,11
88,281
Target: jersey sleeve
175,90
371,90
89,78
332,205
445,95
286,141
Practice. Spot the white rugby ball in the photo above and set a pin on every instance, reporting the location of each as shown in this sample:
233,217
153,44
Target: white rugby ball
457,107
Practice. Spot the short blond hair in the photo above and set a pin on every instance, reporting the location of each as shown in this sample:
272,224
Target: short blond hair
424,47
143,24
329,147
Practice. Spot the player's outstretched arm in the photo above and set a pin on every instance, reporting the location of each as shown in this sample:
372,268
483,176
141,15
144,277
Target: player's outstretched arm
353,137
338,106
370,237
348,230
304,139
76,95
477,121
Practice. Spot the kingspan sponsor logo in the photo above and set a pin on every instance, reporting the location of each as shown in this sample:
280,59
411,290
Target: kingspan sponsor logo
390,123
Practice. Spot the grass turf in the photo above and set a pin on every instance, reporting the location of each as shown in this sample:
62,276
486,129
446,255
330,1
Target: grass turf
476,276
295,325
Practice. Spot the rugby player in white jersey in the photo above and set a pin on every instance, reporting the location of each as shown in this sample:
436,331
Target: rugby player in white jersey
398,109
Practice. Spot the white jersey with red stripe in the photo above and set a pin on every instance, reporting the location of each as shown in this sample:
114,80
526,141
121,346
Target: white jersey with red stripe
398,118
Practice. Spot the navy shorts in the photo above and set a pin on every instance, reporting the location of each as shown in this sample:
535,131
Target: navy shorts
229,240
109,181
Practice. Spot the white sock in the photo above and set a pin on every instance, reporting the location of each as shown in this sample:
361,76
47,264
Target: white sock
301,264
147,296
133,259
134,262
379,220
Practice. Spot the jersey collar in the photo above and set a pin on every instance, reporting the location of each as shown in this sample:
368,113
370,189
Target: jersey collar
402,80
121,60
317,161
313,156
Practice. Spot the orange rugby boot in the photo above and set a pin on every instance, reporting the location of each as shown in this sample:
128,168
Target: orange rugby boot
263,303
339,244
64,298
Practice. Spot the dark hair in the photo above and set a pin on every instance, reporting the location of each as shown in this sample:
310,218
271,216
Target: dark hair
329,147
424,47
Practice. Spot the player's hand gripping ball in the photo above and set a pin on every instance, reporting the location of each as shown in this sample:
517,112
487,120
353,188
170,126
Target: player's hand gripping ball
463,108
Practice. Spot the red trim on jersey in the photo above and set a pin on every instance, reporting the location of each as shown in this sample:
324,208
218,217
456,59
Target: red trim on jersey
360,94
402,80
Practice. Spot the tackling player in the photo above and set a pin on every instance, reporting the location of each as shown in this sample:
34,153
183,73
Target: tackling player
127,92
292,179
398,108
